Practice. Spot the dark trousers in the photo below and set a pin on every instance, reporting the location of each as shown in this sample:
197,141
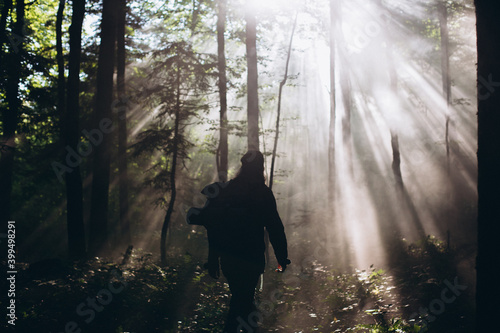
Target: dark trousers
243,315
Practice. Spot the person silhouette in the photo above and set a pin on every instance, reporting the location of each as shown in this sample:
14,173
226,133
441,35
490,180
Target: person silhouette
235,216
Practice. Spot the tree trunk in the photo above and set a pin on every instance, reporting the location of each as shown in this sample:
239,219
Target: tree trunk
345,86
276,137
222,152
7,6
333,116
252,82
173,193
396,161
445,69
10,114
103,123
346,120
405,201
445,50
282,84
446,83
74,191
393,83
488,71
122,123
61,81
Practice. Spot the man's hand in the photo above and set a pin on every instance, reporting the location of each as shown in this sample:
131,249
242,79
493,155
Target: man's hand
282,265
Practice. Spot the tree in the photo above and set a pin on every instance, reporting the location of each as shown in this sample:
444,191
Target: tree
222,151
103,121
445,50
6,8
10,113
445,69
345,88
442,11
61,80
74,190
488,156
333,106
122,122
396,162
252,81
173,169
278,114
393,83
177,79
404,203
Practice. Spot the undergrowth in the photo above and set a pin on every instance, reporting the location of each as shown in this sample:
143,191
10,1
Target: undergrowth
143,296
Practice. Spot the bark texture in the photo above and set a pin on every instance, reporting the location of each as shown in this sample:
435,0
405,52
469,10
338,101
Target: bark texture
11,112
122,122
74,190
173,188
488,50
103,123
252,82
222,153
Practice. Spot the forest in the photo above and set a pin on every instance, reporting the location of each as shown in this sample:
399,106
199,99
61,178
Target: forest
379,122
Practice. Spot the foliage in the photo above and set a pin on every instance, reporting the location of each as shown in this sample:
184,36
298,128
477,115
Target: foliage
182,297
396,326
320,299
144,295
177,79
211,308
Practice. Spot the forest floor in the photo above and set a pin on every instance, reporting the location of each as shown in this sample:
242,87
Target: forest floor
424,294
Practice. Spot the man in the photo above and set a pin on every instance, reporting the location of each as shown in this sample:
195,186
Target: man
235,216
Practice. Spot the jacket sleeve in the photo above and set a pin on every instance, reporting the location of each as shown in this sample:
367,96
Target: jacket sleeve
275,228
194,216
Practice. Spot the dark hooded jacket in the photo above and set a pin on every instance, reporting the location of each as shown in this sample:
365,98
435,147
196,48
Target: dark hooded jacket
235,215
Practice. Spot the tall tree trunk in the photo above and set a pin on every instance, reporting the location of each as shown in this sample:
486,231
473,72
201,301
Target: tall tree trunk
345,86
7,6
252,81
222,152
446,83
488,71
333,106
345,83
282,84
122,123
61,81
445,69
393,83
278,115
102,121
74,190
447,141
173,192
10,114
445,50
405,201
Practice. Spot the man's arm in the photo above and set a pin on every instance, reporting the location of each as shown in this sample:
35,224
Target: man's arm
276,231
